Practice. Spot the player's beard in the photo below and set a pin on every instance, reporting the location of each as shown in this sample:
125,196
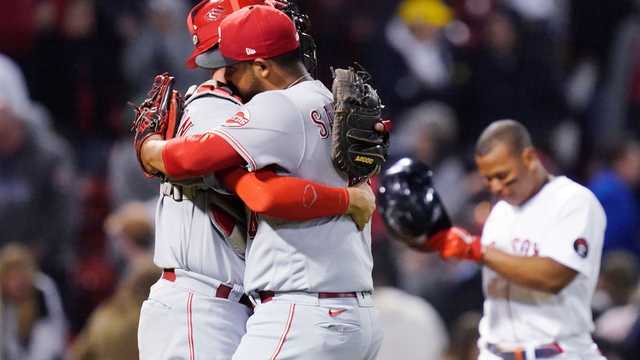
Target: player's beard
253,88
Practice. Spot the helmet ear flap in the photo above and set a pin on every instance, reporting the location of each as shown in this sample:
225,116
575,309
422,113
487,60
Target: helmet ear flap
409,204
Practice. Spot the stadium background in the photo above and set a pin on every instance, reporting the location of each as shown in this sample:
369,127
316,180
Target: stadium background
72,193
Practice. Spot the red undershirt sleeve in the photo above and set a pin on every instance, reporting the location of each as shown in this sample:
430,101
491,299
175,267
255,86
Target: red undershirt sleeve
285,197
198,155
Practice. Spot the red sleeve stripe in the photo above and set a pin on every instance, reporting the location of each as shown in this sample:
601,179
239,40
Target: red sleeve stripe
283,337
238,148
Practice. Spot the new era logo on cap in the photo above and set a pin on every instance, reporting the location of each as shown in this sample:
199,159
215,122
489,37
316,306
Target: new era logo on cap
257,31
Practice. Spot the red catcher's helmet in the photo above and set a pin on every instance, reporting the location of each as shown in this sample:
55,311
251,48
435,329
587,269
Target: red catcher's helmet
203,21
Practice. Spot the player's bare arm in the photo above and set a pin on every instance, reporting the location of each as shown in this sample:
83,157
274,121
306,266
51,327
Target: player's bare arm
534,272
151,155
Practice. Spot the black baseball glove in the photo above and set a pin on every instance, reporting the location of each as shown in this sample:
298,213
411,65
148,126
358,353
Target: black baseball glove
358,149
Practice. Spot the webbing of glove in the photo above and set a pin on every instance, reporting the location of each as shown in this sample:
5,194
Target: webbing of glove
151,116
358,150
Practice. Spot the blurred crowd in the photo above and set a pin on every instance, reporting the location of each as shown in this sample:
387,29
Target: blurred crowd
77,213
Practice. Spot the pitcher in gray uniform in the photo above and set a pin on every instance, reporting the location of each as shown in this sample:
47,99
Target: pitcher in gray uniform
313,279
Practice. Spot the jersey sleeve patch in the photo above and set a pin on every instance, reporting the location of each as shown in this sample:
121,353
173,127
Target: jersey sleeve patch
240,119
581,247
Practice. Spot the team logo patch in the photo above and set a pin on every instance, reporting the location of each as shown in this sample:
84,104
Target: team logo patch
581,247
240,119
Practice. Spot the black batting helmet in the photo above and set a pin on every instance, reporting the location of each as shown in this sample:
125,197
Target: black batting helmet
408,202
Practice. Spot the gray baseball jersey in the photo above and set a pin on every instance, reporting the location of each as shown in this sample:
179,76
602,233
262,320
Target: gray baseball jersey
291,128
193,238
185,237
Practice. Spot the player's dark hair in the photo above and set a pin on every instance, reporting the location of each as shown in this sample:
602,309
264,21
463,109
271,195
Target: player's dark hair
288,59
509,132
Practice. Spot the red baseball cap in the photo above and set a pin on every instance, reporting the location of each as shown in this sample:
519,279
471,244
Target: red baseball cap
257,31
203,22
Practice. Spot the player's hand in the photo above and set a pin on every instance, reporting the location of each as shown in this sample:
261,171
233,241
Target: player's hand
151,154
457,243
362,203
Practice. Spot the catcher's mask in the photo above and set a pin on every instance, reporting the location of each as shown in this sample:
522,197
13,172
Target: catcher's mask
408,202
307,44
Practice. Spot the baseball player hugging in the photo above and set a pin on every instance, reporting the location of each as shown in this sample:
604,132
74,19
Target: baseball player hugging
199,308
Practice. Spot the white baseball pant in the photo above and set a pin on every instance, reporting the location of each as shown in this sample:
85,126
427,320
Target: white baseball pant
303,326
184,319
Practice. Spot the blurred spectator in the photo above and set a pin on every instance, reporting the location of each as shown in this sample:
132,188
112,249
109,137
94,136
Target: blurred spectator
537,10
413,330
32,323
357,37
412,327
80,81
614,187
619,100
161,44
510,78
93,275
111,332
417,61
429,133
464,337
617,284
130,233
125,178
619,278
36,178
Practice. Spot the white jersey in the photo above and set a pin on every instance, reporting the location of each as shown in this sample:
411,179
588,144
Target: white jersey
566,223
187,235
291,128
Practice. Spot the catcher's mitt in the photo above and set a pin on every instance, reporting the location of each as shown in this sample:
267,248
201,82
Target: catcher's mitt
358,149
158,114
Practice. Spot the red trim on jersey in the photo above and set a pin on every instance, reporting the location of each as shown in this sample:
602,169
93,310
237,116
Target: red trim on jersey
198,155
192,353
283,337
238,147
285,197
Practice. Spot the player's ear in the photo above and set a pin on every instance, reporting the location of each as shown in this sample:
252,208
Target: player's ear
529,157
261,68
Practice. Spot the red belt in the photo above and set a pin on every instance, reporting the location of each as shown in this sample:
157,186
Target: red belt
266,296
222,292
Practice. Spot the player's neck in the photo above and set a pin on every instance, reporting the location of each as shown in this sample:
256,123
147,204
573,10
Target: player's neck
542,177
287,77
